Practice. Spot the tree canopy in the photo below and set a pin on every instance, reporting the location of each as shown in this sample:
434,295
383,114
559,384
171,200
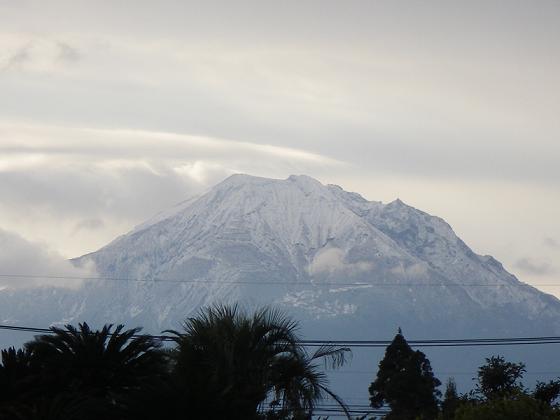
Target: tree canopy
226,363
499,378
78,373
520,407
405,382
240,363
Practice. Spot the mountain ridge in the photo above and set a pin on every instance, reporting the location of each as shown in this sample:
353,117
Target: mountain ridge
408,268
346,268
298,229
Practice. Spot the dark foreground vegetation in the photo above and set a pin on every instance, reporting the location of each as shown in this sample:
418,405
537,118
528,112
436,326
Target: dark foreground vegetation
406,384
227,364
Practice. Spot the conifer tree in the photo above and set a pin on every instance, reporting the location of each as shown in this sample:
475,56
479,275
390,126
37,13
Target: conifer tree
451,400
406,383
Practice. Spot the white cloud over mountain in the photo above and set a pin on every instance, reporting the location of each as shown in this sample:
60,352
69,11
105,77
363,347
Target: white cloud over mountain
451,107
26,264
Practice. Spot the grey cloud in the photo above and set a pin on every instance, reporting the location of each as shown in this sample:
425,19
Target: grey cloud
18,59
128,193
20,258
411,272
67,53
440,23
126,174
119,177
89,224
551,243
315,103
24,57
530,266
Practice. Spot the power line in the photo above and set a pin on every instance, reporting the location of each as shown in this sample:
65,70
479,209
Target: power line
322,409
511,341
445,345
50,331
266,282
442,342
437,372
440,345
445,340
337,407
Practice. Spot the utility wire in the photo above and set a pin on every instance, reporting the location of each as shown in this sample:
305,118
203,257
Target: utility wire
438,372
267,282
512,341
466,344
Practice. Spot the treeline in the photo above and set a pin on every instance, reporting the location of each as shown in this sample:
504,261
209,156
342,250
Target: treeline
224,364
406,384
228,364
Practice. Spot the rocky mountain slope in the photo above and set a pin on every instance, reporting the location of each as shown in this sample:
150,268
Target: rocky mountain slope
346,267
319,251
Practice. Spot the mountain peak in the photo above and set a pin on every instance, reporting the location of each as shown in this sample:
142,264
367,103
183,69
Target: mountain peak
258,185
303,179
239,178
298,231
397,202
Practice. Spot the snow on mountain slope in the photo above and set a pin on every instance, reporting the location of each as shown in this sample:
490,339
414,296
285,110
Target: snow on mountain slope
330,257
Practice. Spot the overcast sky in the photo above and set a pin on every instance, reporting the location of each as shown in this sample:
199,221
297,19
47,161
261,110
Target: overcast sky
111,111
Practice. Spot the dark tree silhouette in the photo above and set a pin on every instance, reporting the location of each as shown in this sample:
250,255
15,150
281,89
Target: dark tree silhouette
498,378
500,395
405,382
547,392
15,371
518,407
63,406
15,382
234,364
77,368
451,400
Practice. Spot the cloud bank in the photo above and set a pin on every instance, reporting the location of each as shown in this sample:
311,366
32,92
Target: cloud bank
530,266
94,184
26,264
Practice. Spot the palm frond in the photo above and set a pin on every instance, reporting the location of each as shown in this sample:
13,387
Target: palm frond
333,356
338,400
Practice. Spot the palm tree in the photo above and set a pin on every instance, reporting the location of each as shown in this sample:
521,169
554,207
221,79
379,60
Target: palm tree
15,369
63,406
232,365
22,399
104,365
15,378
298,383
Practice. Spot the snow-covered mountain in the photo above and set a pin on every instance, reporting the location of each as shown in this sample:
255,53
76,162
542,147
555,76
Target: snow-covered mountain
318,250
346,267
327,252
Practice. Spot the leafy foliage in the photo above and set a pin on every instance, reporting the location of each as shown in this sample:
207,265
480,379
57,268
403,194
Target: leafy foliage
500,395
498,378
518,407
228,364
547,392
